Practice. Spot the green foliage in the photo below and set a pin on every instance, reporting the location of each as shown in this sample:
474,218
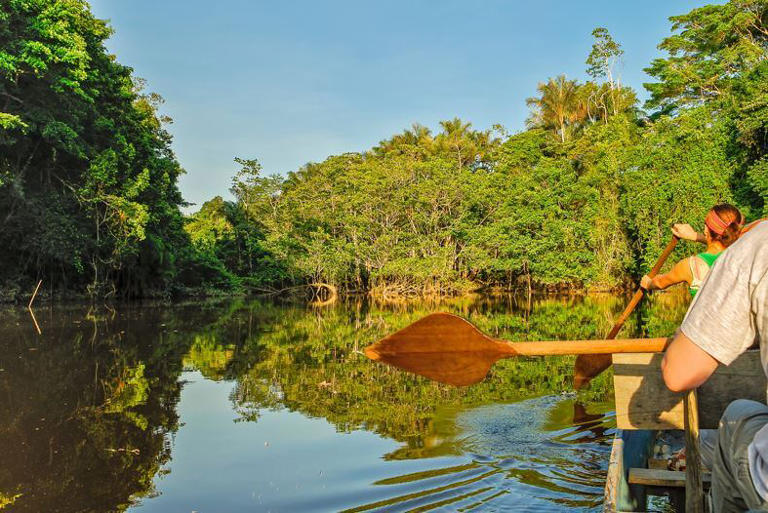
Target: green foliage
527,217
226,241
713,46
714,78
758,181
681,167
583,198
88,195
424,214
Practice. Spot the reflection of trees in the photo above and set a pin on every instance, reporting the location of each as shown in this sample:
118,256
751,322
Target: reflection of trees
86,410
309,361
661,313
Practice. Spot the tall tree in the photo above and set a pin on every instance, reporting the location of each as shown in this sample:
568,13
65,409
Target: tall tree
556,106
602,61
88,193
605,56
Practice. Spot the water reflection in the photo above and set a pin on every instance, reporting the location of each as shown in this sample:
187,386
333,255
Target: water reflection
85,411
267,406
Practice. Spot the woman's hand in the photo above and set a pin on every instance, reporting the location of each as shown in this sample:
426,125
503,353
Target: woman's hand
646,282
685,232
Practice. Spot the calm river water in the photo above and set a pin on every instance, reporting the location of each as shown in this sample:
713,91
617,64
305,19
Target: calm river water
266,406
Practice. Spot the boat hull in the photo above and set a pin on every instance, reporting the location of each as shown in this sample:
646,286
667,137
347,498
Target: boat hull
631,449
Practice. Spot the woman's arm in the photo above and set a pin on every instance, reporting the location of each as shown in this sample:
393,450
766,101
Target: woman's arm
686,232
680,273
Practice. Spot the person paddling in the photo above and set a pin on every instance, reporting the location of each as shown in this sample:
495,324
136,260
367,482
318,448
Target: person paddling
721,229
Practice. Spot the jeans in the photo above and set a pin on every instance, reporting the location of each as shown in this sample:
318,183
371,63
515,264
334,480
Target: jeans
732,488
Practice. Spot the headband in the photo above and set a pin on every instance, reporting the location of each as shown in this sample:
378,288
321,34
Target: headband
714,223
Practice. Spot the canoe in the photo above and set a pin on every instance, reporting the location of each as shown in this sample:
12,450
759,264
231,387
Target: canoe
645,407
634,475
631,449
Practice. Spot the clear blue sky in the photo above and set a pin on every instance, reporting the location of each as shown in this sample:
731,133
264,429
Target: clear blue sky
289,82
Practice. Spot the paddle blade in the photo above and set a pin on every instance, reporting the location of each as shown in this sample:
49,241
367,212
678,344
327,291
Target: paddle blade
442,347
587,367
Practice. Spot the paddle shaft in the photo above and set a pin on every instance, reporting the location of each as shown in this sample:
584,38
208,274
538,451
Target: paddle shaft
587,367
640,291
579,347
506,349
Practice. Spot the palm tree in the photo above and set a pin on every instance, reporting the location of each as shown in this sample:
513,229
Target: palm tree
456,138
417,137
556,107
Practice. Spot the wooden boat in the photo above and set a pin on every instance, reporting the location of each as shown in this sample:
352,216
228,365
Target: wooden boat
645,407
631,449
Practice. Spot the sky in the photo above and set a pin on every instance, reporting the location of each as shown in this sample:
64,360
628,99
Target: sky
294,81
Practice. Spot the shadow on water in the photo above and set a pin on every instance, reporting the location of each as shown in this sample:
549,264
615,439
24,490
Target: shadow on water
243,406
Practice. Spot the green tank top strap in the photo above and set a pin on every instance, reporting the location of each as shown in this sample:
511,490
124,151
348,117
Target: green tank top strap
709,258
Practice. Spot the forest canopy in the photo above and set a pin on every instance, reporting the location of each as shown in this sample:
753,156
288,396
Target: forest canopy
88,194
583,197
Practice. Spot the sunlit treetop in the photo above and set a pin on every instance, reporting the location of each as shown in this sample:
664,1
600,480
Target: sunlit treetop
711,48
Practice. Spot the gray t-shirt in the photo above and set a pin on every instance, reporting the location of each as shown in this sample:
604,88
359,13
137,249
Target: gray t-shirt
729,313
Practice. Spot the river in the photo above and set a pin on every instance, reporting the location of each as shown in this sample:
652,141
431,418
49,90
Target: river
258,405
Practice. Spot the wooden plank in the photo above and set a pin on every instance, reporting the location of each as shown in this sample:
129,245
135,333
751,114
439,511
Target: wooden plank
694,489
630,449
644,402
663,478
613,477
642,399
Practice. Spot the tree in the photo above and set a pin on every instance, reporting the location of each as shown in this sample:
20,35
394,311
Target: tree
258,196
556,106
711,48
88,194
717,63
604,57
416,141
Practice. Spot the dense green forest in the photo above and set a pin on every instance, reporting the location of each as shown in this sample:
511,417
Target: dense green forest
583,198
88,194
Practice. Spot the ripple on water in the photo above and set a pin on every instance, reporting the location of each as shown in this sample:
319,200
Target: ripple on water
520,457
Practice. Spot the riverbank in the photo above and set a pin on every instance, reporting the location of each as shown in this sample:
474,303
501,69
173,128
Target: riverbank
314,293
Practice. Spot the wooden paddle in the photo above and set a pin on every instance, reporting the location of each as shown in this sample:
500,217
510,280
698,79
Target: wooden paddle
446,348
587,367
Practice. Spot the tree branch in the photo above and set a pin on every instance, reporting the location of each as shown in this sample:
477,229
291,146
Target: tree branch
12,97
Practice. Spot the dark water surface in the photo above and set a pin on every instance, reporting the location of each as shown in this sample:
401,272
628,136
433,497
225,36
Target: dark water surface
265,406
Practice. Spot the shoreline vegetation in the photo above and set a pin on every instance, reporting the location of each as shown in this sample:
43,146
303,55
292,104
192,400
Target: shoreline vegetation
581,199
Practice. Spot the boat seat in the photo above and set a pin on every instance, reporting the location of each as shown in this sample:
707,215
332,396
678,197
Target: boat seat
663,478
644,402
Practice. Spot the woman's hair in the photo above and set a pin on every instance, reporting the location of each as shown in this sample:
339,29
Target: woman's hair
724,223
